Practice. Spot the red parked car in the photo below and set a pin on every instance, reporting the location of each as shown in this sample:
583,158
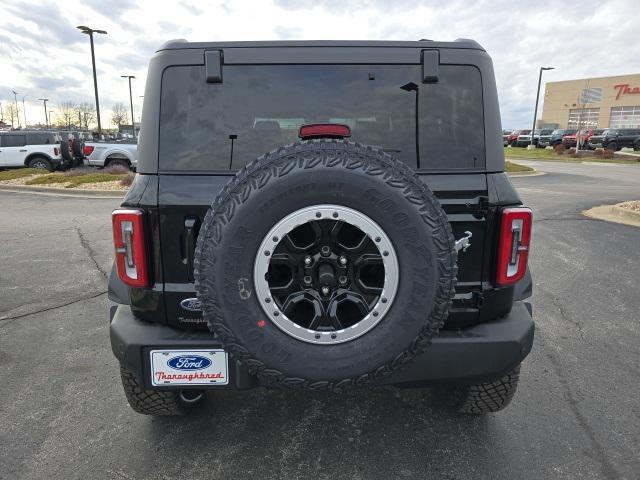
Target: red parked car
585,135
512,138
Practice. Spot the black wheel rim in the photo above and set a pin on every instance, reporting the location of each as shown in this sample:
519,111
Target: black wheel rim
327,276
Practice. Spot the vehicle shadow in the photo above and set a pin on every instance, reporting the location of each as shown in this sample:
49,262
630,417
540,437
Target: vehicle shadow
361,434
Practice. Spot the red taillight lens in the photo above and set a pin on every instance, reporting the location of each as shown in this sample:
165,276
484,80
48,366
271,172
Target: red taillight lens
513,249
319,130
131,255
87,150
56,151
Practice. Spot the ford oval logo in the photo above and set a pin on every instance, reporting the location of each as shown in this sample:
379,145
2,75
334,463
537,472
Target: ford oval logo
189,362
191,304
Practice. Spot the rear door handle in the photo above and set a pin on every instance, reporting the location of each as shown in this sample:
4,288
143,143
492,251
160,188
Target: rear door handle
23,150
191,228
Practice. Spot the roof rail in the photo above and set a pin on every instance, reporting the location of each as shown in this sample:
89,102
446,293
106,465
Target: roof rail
173,40
468,40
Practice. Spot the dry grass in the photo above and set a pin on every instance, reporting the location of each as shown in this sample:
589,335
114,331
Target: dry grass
127,180
559,149
515,167
21,172
76,172
116,170
73,181
608,153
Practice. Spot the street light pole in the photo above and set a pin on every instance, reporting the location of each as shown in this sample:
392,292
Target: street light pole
24,112
535,111
46,118
90,32
50,123
133,122
15,100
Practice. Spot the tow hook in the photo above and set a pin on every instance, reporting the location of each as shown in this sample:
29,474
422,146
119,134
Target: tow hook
464,243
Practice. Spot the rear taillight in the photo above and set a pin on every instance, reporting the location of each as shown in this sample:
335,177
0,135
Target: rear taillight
324,130
513,249
131,255
87,150
56,151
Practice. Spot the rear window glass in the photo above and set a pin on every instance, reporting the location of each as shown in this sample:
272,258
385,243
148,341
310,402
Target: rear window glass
13,140
209,126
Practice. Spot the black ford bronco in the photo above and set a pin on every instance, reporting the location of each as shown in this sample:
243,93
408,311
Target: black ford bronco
320,216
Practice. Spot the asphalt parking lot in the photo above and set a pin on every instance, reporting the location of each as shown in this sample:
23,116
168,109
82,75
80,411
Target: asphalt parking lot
576,415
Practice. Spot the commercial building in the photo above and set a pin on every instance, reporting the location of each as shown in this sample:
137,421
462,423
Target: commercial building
603,102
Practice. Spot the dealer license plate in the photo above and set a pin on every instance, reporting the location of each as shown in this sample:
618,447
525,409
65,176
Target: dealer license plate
189,367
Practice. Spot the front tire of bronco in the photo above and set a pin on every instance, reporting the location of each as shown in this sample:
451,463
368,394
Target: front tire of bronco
157,402
482,398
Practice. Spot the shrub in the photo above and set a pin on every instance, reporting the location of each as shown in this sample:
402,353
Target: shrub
572,151
116,170
559,149
608,153
598,152
75,172
127,180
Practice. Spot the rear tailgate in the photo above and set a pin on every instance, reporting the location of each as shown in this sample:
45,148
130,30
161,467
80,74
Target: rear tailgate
184,200
221,108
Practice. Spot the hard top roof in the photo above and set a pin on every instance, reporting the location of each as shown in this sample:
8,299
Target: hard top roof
460,43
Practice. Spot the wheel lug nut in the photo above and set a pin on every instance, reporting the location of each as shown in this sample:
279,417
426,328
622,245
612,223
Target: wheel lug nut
307,279
342,279
343,260
325,290
307,260
325,251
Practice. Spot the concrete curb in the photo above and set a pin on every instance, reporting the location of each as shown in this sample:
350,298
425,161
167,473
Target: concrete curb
614,213
66,192
608,164
535,173
574,160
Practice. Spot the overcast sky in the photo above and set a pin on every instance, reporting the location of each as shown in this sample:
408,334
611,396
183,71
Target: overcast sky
43,55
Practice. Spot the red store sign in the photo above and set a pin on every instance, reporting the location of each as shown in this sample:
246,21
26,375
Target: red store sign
625,89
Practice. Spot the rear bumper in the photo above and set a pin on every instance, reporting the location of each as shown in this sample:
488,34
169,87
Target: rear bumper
479,354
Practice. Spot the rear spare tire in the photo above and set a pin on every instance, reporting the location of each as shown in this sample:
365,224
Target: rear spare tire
325,264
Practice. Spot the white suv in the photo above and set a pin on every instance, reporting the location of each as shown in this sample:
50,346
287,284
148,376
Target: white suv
30,149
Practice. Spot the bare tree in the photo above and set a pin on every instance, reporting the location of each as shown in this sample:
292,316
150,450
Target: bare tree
118,114
13,113
67,113
87,113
